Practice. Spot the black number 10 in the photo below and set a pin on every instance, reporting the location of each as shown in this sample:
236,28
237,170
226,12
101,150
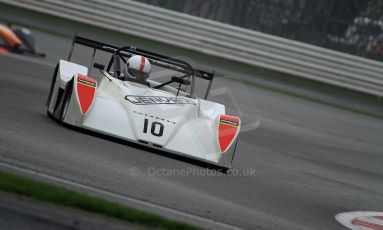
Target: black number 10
160,130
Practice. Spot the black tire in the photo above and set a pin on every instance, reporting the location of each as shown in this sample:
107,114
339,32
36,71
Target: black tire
235,150
50,115
52,85
65,100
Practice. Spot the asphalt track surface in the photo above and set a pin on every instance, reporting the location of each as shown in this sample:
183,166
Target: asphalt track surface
311,160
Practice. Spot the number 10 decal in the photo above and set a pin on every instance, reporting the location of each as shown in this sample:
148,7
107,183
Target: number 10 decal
154,130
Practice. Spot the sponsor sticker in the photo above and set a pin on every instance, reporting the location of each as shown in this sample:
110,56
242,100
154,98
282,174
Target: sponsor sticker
229,122
154,117
85,82
152,100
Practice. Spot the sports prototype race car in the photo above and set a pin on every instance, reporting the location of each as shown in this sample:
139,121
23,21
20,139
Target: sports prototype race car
18,40
132,103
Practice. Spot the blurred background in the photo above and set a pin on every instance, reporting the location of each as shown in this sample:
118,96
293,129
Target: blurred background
351,26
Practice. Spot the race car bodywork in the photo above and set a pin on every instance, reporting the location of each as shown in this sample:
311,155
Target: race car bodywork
152,114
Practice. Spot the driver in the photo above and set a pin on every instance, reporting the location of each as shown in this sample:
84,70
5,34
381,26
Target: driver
137,69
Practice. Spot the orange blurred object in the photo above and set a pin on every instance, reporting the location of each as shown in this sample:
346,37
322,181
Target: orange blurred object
9,36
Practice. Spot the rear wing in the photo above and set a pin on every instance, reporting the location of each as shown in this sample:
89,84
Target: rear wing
156,58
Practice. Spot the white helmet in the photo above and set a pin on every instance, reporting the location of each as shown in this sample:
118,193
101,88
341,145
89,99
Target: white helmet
138,67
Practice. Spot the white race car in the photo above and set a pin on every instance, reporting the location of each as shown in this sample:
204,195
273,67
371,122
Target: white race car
161,114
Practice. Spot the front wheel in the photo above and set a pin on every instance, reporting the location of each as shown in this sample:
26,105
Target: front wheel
65,100
52,85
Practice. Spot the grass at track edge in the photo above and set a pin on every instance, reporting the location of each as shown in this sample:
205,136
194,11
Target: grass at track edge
45,192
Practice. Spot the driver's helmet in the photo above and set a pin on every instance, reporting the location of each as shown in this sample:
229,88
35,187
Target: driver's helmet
138,67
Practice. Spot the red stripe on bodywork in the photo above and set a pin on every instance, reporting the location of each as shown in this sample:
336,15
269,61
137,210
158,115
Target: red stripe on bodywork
228,127
85,92
142,65
367,224
378,217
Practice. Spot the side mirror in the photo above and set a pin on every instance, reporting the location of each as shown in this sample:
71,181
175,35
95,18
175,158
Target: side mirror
180,81
99,66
